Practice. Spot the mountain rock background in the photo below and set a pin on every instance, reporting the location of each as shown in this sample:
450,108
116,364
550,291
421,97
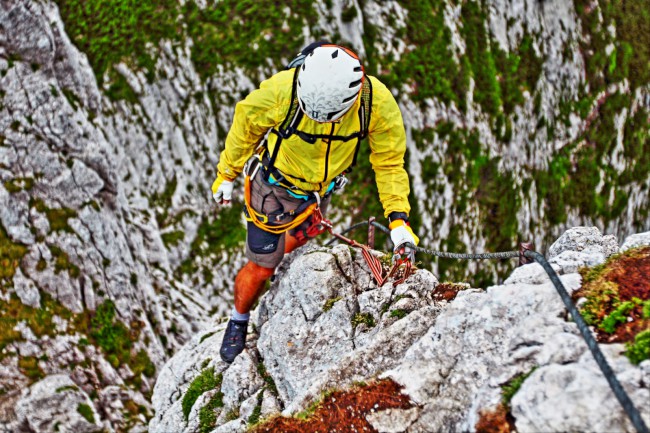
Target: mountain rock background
523,117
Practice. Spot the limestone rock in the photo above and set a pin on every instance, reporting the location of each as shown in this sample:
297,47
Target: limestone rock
56,403
393,420
636,240
584,239
563,396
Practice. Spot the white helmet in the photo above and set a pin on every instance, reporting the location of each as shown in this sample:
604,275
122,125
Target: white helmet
329,82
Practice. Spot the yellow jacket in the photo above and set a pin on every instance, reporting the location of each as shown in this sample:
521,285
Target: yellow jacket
311,167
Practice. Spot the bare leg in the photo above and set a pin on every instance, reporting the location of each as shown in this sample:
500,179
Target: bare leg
249,285
291,243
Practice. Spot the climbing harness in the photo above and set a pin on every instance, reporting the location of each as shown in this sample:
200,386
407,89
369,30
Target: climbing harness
526,255
289,125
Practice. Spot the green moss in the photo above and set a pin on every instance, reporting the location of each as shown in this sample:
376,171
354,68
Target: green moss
205,336
429,66
72,98
487,92
11,254
268,379
202,383
509,389
254,418
208,413
111,335
211,238
62,262
172,238
233,32
19,184
58,218
39,320
639,351
363,318
162,202
66,388
113,31
141,364
399,313
618,316
87,412
232,414
330,303
28,365
349,13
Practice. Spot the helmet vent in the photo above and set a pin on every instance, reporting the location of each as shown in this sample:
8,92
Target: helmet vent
349,98
355,83
358,69
335,54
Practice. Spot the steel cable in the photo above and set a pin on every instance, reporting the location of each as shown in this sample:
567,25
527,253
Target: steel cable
623,398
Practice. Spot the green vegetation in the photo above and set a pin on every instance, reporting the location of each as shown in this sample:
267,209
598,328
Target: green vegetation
225,232
116,340
613,305
639,350
162,202
113,31
39,320
619,315
202,383
11,254
110,334
208,413
205,336
58,218
172,238
363,318
87,412
67,388
254,418
231,32
330,303
509,389
28,365
19,184
429,67
268,379
399,313
62,262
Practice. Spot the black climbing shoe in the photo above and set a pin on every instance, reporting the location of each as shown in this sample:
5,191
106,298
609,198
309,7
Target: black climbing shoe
234,340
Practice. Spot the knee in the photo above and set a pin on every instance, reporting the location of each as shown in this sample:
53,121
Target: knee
259,271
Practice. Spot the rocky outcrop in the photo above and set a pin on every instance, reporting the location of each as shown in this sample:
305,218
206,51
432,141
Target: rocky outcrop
325,325
520,118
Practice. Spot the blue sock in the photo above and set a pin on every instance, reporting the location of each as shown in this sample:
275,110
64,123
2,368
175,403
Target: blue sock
236,315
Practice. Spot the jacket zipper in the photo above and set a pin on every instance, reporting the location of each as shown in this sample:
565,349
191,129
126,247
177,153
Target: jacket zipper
327,154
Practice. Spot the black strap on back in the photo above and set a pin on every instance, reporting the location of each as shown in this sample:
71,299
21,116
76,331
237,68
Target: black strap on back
289,125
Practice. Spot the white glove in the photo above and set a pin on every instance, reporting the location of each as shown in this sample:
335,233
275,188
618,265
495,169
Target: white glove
222,190
401,234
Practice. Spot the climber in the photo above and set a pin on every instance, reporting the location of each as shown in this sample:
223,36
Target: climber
300,132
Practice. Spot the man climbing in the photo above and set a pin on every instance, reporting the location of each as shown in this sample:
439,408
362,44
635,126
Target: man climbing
310,120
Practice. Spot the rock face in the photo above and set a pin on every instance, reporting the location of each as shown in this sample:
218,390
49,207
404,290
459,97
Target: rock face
325,325
522,117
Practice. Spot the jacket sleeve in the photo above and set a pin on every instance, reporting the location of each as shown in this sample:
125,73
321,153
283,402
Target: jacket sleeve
254,116
387,148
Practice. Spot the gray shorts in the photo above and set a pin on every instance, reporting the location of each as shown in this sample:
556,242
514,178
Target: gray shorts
267,249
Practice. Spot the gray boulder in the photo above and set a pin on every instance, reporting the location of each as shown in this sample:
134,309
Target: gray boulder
57,404
636,240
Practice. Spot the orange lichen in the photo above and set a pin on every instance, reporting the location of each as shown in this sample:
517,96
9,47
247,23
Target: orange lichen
498,420
343,411
622,280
